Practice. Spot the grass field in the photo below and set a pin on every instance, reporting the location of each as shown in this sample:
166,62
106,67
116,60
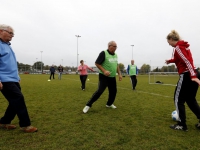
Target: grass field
140,122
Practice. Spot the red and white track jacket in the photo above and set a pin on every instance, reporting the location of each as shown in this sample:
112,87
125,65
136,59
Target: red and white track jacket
183,58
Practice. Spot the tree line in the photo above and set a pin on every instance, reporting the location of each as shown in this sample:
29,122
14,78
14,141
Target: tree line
145,68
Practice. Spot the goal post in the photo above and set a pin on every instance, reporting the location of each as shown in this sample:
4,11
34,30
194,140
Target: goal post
163,78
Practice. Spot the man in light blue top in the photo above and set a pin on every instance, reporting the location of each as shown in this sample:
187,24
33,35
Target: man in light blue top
9,84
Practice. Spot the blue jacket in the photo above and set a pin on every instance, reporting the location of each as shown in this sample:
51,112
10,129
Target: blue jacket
8,64
52,69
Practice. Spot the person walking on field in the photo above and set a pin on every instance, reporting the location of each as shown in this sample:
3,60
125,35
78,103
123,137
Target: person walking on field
60,71
132,71
9,85
188,82
52,72
83,73
107,63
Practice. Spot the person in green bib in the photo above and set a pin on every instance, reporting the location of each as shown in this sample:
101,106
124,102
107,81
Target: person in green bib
132,71
107,63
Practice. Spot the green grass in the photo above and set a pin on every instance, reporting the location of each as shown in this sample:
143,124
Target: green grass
140,122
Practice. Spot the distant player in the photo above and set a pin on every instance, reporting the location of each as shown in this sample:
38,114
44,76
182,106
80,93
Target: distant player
83,73
60,71
52,71
132,71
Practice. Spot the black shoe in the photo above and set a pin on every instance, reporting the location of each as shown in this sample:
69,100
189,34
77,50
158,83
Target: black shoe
178,127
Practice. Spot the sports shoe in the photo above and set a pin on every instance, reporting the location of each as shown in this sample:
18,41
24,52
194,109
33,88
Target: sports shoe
198,125
83,89
7,126
111,106
29,129
85,109
178,127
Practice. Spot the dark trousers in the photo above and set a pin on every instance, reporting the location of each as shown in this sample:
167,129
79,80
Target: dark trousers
83,80
133,81
52,74
16,106
185,91
104,82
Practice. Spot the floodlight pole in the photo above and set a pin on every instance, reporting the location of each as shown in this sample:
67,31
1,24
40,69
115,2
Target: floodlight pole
41,61
132,51
77,48
150,66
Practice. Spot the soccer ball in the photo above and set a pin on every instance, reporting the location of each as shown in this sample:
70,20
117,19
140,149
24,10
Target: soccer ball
175,116
88,79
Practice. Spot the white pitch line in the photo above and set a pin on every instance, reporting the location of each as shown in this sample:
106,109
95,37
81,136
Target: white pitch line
131,90
147,92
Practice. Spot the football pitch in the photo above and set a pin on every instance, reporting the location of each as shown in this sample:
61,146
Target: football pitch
140,122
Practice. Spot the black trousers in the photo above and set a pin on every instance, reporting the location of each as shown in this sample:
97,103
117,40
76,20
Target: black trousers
104,82
52,74
16,106
83,80
133,81
185,91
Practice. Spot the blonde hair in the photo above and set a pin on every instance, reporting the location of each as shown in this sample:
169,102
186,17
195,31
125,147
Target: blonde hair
173,35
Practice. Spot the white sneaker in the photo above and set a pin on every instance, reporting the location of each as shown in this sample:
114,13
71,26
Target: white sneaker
85,109
111,106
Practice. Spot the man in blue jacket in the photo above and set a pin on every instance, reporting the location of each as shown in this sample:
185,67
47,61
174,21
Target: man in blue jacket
9,85
52,72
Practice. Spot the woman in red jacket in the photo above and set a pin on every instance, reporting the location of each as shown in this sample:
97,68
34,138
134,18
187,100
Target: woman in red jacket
188,82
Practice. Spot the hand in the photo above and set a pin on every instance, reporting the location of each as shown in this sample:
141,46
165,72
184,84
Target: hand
196,80
167,61
106,73
1,86
120,78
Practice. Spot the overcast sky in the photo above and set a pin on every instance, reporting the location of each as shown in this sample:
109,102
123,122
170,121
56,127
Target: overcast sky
50,26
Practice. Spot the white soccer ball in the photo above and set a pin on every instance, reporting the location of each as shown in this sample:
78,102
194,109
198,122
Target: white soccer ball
175,116
88,79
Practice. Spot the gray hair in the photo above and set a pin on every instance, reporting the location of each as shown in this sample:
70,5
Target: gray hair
110,43
4,27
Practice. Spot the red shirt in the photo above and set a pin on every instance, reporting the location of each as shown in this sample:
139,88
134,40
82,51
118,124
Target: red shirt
183,58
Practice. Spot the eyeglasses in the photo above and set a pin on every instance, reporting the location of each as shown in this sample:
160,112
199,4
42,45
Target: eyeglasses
11,33
113,46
